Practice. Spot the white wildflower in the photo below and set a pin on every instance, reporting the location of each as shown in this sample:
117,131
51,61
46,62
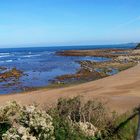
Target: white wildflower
87,128
28,123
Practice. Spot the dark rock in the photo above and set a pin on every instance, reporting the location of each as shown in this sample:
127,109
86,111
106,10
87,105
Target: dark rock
138,46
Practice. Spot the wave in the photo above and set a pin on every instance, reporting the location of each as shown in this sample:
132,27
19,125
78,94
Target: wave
8,61
48,52
28,56
5,55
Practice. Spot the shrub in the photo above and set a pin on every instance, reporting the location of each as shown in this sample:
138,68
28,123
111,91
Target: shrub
91,111
89,118
27,122
71,119
79,120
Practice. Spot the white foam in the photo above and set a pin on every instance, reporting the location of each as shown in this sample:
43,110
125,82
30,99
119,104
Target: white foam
4,55
48,52
9,61
28,56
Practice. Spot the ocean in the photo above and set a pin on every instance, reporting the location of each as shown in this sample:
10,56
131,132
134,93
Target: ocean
41,64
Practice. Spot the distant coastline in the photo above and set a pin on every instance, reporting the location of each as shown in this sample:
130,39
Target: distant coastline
70,47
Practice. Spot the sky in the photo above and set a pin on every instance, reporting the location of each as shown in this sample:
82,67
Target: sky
68,22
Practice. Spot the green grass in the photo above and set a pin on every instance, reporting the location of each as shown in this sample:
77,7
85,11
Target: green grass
128,131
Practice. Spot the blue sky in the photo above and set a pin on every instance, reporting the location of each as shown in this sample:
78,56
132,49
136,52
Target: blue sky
68,22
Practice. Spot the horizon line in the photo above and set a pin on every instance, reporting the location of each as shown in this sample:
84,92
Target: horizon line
49,46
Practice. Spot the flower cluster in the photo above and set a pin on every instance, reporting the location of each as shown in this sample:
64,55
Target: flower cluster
87,128
9,111
31,123
38,121
20,133
27,122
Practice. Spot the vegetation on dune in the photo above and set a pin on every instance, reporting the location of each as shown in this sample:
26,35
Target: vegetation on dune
71,119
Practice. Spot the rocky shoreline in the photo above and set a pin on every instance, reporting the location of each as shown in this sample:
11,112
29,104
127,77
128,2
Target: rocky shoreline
9,74
120,59
10,77
108,53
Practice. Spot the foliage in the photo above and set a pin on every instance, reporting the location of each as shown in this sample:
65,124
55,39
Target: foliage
27,122
71,119
128,132
91,111
87,118
73,116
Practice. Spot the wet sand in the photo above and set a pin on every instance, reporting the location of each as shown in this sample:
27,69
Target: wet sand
120,92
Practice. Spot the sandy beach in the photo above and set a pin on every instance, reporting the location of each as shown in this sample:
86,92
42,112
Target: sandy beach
121,92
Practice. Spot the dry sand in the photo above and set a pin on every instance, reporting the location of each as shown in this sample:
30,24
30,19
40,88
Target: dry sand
121,92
